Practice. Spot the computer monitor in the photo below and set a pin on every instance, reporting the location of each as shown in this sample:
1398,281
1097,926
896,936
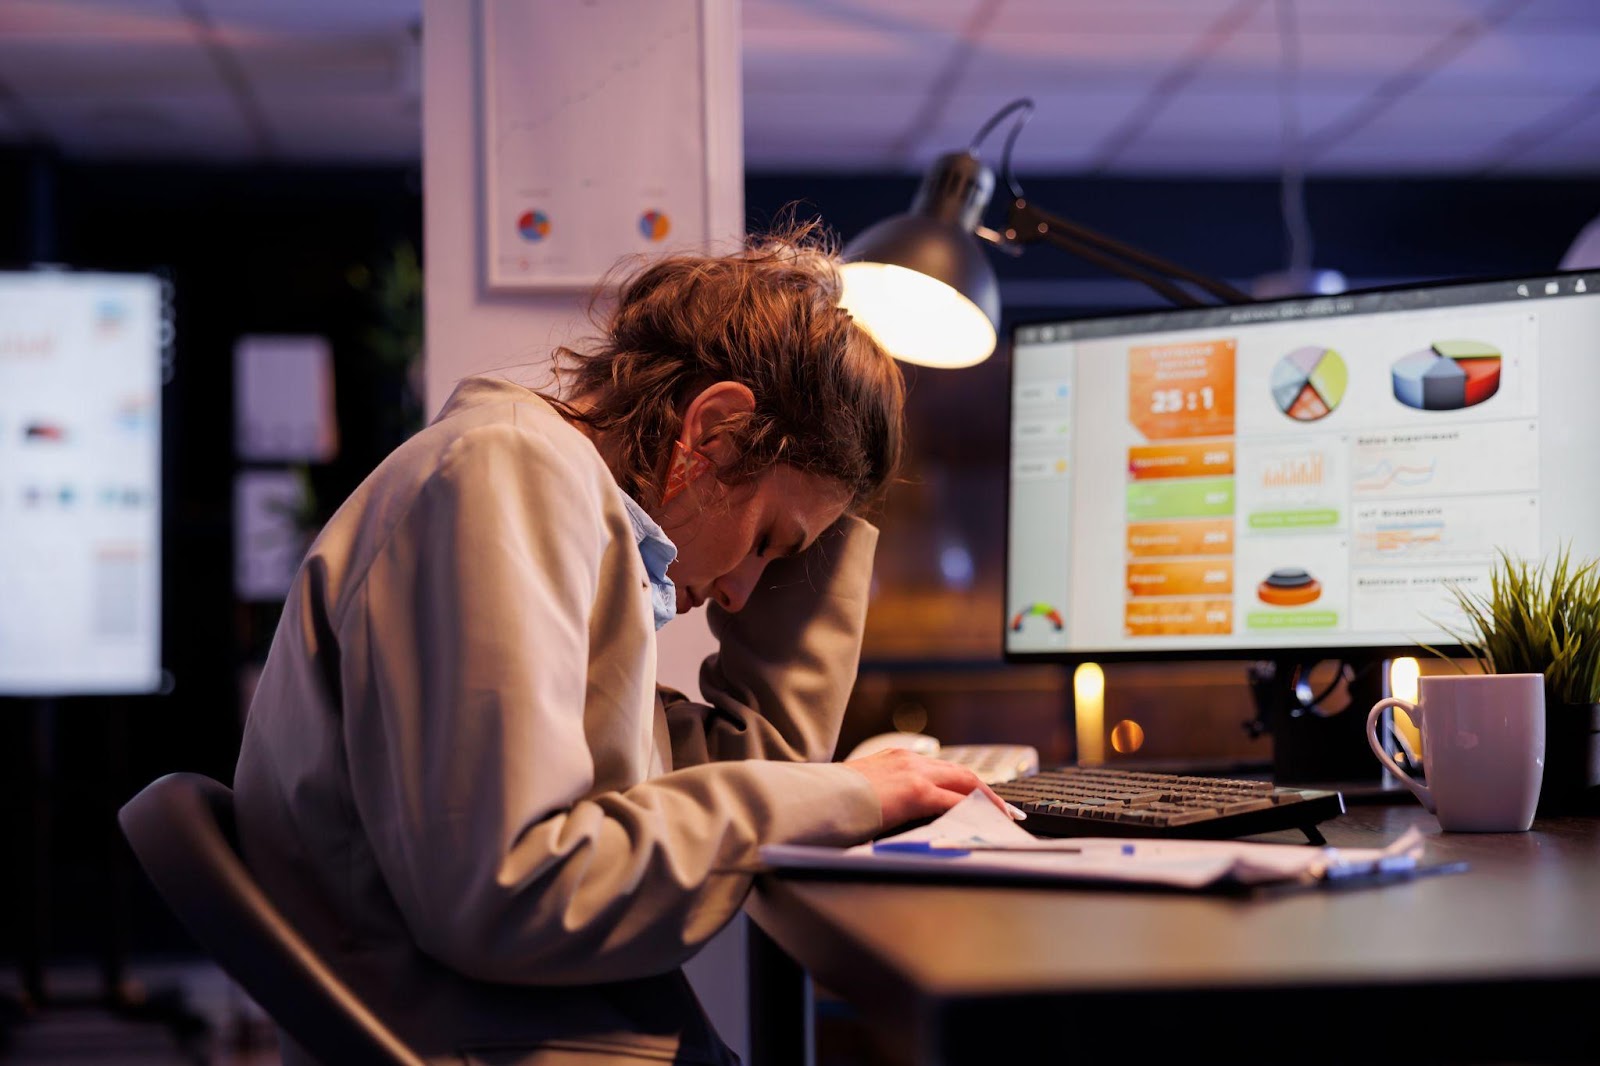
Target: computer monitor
82,357
1297,479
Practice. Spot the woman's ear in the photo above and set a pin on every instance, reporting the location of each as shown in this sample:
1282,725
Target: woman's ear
714,406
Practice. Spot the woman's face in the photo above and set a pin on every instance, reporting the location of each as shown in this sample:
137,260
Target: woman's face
726,535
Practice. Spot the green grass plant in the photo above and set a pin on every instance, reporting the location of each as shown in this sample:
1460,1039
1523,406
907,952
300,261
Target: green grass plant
1542,619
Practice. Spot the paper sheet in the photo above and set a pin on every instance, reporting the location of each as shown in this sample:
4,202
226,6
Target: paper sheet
975,839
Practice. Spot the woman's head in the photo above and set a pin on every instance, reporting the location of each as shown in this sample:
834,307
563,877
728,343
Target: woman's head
827,399
744,367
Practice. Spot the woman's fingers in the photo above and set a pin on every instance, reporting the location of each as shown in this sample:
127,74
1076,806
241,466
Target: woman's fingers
965,781
911,786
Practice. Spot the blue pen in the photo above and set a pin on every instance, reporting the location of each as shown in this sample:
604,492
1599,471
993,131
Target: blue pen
915,847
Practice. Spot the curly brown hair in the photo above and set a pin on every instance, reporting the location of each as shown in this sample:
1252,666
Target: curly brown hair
828,399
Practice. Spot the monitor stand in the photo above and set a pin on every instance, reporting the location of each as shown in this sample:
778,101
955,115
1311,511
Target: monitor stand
1319,737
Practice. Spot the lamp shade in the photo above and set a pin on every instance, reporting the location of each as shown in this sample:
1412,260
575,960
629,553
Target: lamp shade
920,282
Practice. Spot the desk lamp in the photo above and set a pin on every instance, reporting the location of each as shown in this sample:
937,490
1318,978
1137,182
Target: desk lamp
920,284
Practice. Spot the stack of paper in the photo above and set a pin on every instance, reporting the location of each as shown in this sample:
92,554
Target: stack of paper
974,838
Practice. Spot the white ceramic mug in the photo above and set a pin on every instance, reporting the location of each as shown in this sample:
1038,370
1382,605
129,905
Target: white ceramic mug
1482,749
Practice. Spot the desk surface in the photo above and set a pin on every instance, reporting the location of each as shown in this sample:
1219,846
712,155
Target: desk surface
953,968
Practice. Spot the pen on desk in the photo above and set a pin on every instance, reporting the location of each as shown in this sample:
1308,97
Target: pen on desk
958,846
917,847
1357,876
954,849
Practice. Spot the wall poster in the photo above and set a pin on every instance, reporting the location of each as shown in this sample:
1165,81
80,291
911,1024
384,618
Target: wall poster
580,167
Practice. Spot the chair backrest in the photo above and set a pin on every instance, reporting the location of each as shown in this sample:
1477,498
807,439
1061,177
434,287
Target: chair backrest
181,828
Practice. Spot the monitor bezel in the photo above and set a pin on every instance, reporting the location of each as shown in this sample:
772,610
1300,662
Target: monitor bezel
1278,653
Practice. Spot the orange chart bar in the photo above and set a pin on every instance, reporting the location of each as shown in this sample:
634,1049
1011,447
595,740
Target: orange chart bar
1206,537
1180,460
1162,618
1208,576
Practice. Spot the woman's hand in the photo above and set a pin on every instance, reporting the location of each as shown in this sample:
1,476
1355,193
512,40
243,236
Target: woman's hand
911,786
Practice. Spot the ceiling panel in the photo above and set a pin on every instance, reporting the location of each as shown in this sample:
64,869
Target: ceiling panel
897,17
314,16
1573,151
863,64
1180,18
1122,86
1062,135
1438,125
148,126
104,69
1554,13
825,128
305,127
132,22
1022,64
1255,59
1327,14
1234,131
1565,60
303,65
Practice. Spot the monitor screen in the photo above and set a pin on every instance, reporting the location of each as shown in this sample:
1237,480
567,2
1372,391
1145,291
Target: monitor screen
1300,476
81,363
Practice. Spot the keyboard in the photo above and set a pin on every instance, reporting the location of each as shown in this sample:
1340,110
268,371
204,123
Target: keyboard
1101,802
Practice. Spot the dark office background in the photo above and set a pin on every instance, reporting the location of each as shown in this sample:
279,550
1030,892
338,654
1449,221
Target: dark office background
277,250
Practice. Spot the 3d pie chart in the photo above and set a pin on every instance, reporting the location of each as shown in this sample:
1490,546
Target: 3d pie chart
1289,587
1448,376
1308,383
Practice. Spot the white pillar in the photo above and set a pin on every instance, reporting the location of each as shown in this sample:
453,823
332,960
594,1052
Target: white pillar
470,329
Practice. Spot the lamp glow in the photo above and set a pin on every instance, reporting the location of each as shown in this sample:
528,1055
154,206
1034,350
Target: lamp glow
916,318
1089,713
1403,685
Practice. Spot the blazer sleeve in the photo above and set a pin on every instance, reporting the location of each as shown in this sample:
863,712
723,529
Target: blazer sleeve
779,682
464,675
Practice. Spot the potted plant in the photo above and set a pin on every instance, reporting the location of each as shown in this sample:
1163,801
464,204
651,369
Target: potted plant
1545,619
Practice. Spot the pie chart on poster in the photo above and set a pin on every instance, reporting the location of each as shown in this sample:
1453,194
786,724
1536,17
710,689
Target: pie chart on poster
1309,382
1447,376
533,225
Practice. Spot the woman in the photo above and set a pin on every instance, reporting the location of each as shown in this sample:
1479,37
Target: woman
458,777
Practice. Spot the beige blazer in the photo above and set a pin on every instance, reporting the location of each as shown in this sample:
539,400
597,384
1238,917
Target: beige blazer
459,779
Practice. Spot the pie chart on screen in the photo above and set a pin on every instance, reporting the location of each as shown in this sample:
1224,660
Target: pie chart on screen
1309,383
1447,376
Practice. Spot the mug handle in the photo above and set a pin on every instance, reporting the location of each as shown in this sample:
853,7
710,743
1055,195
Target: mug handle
1423,792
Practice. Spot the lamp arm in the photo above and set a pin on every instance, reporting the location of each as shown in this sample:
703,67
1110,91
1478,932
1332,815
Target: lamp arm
1025,224
1111,264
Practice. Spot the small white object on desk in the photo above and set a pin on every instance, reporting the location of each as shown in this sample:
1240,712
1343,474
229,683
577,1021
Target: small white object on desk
920,743
993,763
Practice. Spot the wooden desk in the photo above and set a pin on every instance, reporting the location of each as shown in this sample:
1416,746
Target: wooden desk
1478,966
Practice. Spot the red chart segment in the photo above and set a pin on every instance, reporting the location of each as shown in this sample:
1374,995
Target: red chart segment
1447,376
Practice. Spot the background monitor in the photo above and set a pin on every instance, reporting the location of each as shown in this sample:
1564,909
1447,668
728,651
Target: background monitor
1297,477
81,365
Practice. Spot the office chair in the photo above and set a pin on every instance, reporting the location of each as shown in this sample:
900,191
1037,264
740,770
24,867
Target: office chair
181,829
